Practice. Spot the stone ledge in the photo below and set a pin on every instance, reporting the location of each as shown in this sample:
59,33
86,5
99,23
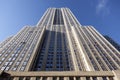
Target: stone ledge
62,73
116,74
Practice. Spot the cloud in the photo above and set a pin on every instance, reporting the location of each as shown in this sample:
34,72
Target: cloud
102,7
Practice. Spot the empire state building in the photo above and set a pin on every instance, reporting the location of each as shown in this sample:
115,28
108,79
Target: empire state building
58,47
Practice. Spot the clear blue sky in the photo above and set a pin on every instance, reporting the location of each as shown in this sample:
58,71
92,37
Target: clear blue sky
104,15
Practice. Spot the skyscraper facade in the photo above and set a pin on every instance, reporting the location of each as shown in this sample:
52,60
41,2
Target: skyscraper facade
59,44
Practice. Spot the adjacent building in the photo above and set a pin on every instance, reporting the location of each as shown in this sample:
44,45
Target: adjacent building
59,47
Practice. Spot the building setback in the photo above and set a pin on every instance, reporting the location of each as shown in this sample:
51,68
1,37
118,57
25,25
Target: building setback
115,44
58,48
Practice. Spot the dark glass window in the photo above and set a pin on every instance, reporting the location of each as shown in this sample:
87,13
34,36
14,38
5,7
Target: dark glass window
58,19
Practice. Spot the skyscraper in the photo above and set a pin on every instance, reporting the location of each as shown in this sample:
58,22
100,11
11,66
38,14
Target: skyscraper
59,47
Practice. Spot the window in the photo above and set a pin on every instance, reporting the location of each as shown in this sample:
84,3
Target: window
6,63
22,68
3,59
10,63
17,63
7,68
20,59
16,55
22,55
14,69
25,63
6,55
13,58
12,54
28,54
2,68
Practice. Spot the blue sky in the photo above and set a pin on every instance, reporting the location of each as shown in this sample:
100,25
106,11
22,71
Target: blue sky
104,15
